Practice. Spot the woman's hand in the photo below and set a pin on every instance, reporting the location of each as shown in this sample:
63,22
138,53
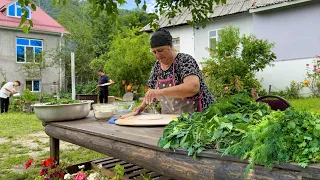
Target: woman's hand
151,95
139,109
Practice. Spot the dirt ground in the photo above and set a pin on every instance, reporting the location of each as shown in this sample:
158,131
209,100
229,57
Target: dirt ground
39,143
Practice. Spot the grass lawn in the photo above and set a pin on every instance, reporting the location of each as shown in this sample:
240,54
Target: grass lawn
310,104
22,137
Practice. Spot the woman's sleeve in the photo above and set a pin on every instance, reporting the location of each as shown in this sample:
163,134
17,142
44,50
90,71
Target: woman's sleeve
189,67
153,78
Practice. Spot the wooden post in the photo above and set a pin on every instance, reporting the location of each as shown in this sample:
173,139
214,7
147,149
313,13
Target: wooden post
55,149
73,79
269,90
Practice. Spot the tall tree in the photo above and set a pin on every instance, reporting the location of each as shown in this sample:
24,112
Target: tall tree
169,8
92,37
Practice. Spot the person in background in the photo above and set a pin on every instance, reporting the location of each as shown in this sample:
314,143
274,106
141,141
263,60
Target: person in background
5,93
104,92
175,80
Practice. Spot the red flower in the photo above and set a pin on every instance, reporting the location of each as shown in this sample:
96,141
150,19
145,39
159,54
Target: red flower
28,163
146,87
47,162
307,64
226,89
61,175
80,176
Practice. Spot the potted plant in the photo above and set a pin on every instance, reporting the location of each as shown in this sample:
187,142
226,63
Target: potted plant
28,98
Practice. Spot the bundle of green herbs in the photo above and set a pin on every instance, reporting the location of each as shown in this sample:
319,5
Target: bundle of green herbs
243,128
288,136
60,101
219,127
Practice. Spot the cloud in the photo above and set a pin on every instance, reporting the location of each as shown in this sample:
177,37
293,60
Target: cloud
150,5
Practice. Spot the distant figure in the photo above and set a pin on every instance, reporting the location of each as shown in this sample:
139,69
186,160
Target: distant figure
104,92
5,93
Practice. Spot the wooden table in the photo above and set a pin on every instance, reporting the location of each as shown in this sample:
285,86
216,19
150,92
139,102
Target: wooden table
138,145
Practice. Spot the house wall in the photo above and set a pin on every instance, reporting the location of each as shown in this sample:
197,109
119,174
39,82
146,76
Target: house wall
185,34
242,21
8,57
295,32
283,73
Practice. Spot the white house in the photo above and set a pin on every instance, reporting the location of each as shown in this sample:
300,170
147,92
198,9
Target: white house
293,25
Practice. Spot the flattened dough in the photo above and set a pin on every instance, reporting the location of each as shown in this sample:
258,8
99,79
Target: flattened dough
150,117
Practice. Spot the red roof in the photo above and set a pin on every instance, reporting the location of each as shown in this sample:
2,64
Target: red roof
41,20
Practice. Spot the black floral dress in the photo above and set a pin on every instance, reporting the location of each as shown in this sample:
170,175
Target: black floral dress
185,65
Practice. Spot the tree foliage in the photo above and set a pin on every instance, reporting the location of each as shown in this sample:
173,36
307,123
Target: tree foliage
168,8
235,60
91,37
129,59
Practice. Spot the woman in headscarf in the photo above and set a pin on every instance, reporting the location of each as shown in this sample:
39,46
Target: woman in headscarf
176,80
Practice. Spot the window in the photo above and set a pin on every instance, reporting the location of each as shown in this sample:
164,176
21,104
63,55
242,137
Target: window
213,39
176,43
14,10
33,85
28,50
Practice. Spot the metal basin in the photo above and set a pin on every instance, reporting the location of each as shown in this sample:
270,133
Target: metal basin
63,112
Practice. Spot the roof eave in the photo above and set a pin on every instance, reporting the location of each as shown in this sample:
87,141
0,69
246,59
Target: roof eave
210,20
280,5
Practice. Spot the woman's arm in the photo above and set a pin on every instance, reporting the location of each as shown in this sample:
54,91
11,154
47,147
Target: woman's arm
189,88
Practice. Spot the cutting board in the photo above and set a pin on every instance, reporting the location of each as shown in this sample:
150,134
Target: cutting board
147,120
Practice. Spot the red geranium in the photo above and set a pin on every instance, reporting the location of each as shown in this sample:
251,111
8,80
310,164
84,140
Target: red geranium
48,162
28,163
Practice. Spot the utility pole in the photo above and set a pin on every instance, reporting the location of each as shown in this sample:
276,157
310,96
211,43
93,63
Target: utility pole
73,79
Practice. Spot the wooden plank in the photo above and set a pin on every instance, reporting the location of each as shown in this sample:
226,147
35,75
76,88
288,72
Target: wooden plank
134,168
138,173
143,136
110,161
108,166
101,160
148,137
128,165
155,175
171,164
164,178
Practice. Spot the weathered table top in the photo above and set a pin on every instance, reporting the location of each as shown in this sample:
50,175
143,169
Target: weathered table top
146,138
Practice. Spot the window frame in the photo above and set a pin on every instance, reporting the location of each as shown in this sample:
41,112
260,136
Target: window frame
215,37
16,7
174,45
32,85
25,49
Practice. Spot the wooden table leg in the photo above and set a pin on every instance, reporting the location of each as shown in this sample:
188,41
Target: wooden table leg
55,149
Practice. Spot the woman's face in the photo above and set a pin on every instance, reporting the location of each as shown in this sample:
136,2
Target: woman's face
164,54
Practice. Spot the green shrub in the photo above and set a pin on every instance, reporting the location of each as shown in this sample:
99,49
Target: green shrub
129,59
29,97
313,75
234,62
87,88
